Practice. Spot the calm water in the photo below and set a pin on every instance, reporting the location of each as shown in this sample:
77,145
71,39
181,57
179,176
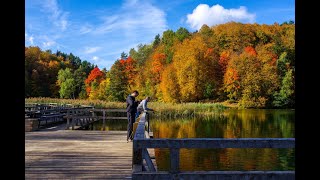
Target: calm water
250,123
230,124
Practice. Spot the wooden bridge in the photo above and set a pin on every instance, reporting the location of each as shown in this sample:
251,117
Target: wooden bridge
67,154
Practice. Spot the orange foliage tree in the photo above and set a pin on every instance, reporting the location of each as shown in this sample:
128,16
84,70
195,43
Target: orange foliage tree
130,70
158,62
93,80
170,90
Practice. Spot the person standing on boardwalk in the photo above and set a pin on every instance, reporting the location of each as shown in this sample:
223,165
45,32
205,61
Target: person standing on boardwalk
143,106
131,112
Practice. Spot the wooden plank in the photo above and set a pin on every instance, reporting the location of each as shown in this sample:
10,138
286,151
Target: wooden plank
136,159
146,156
217,175
215,143
99,117
174,160
110,110
65,154
122,118
104,121
141,128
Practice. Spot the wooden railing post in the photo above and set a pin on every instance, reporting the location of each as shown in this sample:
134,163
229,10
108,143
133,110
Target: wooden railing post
72,119
136,158
174,160
68,120
104,120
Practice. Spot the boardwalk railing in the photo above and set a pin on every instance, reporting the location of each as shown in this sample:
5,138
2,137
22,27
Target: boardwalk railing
141,142
46,114
81,117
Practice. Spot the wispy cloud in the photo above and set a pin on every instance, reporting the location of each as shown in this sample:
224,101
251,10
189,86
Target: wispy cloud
85,29
203,14
142,20
89,50
46,41
95,58
29,38
112,29
57,15
48,44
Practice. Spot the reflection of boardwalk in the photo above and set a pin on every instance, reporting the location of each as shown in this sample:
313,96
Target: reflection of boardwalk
65,154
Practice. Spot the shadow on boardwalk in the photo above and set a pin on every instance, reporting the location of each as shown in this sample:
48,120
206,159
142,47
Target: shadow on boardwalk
65,154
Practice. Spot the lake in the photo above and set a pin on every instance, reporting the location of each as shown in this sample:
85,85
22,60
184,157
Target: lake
248,123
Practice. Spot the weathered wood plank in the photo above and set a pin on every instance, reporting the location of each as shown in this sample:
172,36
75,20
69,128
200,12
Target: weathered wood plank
217,175
97,117
146,156
216,143
174,160
65,154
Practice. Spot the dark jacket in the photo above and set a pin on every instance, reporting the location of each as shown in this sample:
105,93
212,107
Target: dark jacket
131,104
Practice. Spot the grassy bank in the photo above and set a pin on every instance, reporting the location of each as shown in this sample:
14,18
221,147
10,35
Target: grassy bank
95,103
162,109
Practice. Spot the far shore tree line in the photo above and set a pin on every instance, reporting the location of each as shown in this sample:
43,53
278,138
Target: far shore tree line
251,64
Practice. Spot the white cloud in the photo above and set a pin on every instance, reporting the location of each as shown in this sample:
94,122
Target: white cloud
29,38
57,16
85,29
203,14
95,58
89,50
48,43
135,18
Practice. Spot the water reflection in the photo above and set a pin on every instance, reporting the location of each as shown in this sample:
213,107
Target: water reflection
230,124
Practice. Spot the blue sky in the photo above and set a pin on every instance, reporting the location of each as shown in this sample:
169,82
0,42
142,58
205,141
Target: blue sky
99,30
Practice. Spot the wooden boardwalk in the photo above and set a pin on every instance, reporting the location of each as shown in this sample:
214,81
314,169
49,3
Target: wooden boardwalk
78,154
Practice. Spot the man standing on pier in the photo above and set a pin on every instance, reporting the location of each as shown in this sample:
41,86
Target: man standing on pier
131,112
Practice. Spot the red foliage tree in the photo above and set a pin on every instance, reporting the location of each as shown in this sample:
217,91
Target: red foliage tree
250,50
223,60
158,62
95,74
130,69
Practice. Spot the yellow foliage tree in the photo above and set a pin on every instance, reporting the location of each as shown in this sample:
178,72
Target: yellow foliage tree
195,66
169,87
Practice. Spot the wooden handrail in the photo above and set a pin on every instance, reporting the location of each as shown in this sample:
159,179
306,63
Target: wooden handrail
141,143
82,115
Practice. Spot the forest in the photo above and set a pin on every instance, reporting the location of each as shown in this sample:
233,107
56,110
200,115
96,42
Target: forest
249,64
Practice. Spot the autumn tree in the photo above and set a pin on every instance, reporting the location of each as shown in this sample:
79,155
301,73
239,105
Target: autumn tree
285,97
124,55
195,69
254,74
118,81
93,81
158,63
251,64
141,54
41,71
156,41
170,89
67,83
168,38
182,33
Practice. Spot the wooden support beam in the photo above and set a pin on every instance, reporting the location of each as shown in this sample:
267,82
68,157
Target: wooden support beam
146,156
174,160
104,121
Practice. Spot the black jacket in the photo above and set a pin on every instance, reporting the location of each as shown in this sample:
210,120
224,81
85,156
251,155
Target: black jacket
131,104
